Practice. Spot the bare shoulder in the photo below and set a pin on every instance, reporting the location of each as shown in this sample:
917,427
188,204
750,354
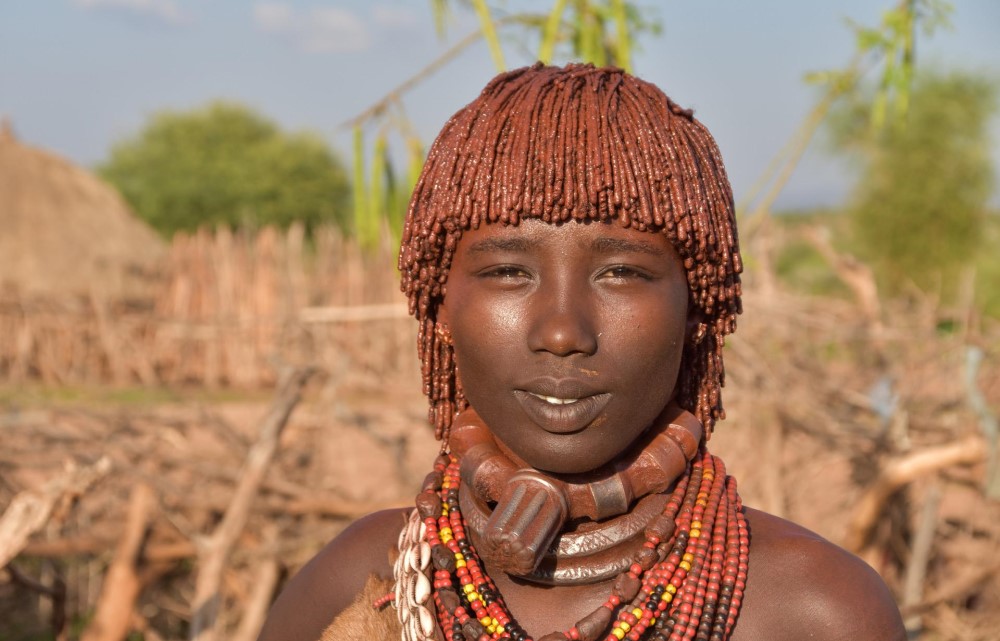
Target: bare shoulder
799,585
330,581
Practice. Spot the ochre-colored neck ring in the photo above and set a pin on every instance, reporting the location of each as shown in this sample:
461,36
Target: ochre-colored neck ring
532,507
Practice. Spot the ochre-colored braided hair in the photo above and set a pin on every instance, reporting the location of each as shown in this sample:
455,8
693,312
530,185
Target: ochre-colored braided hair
576,143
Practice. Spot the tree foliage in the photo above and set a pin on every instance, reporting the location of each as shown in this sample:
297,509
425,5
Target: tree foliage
225,164
889,46
894,40
924,186
604,32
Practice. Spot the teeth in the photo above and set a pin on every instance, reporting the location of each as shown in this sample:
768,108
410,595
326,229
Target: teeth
556,401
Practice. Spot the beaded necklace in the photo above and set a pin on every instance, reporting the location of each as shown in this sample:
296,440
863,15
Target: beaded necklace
686,582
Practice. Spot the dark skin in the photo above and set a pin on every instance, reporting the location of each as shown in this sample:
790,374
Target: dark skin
566,338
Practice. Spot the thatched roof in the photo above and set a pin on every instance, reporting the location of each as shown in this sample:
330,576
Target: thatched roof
63,230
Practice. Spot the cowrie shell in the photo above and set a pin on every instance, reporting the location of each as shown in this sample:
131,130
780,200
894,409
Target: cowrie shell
411,588
422,590
426,622
413,558
425,555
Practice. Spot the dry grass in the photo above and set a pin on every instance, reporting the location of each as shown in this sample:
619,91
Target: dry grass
65,231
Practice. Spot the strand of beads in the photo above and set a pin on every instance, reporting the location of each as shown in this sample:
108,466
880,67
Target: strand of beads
686,582
468,603
696,591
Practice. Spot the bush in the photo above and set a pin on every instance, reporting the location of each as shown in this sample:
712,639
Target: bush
225,164
919,208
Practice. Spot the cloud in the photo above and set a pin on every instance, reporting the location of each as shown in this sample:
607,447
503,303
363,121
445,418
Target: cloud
273,17
393,16
316,30
163,10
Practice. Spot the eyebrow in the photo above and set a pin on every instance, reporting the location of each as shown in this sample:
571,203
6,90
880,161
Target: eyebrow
501,244
620,245
600,246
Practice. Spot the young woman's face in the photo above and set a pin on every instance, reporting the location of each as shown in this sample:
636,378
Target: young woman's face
568,337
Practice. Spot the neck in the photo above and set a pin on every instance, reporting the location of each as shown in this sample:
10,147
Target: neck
560,529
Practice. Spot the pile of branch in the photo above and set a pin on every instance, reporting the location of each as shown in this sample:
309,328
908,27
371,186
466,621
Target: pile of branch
878,432
159,529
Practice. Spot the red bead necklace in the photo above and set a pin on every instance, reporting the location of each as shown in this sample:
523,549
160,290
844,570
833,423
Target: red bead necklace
685,583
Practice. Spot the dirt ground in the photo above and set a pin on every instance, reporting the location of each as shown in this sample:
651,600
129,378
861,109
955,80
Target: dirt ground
803,436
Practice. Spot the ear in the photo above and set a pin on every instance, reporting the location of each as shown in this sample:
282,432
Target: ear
695,328
442,315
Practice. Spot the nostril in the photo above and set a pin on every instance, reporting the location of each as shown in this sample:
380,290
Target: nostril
563,334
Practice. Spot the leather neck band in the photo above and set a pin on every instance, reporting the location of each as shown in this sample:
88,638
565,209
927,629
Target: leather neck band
588,553
532,507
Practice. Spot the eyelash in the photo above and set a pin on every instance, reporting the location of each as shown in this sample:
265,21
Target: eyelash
624,272
616,272
504,272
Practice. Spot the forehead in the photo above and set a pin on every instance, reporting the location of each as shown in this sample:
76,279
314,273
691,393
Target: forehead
567,238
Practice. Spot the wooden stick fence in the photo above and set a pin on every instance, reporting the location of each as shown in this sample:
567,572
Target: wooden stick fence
227,310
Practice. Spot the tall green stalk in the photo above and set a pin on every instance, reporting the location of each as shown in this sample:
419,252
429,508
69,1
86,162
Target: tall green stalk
551,32
623,43
378,197
360,191
490,33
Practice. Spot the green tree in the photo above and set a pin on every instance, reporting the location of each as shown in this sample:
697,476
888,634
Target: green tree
920,204
225,164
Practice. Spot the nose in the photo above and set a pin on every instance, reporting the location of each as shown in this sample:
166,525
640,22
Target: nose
562,323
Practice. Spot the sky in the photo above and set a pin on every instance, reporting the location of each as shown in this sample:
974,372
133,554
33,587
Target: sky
76,76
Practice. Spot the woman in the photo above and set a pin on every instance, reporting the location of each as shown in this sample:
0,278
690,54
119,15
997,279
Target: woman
571,255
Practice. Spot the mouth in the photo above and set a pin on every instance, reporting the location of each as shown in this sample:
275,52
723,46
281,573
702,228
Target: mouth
552,400
564,413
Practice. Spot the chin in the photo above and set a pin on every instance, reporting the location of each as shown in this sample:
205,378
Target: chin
569,469
567,463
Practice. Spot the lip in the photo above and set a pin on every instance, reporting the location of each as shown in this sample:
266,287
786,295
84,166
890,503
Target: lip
561,418
560,387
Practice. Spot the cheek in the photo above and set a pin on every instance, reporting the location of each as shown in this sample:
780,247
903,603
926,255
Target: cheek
651,340
648,358
484,342
485,331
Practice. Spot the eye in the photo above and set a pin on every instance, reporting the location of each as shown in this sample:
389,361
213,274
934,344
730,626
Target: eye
505,273
623,273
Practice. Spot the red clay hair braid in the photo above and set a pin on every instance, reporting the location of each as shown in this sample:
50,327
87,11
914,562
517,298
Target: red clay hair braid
575,142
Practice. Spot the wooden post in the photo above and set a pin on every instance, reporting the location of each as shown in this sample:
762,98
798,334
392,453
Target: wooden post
213,551
122,584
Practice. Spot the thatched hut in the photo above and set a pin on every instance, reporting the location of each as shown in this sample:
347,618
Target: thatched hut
64,231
